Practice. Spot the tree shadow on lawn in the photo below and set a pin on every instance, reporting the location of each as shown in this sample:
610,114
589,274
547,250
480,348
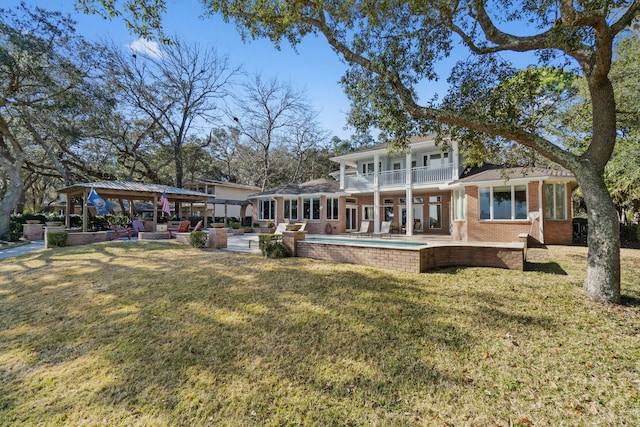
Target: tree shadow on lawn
630,299
549,267
204,334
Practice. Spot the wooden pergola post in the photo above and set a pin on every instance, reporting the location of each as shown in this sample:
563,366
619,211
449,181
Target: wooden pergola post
85,209
155,213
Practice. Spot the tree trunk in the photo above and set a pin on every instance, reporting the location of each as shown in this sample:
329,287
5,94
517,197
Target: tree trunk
177,155
10,199
602,282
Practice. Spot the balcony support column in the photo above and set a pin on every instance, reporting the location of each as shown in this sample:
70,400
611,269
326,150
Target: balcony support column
409,195
376,193
342,172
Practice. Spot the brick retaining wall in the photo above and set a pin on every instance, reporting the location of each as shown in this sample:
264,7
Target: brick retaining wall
418,260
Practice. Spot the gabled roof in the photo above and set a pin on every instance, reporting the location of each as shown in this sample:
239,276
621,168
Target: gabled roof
135,191
314,187
494,173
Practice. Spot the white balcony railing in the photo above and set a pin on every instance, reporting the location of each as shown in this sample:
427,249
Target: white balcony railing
426,174
395,178
361,182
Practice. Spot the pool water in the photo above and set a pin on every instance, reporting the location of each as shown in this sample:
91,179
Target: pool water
367,242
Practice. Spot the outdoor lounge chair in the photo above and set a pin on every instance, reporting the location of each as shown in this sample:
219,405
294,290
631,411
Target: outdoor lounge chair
363,231
302,225
119,232
280,228
198,226
385,229
137,225
182,228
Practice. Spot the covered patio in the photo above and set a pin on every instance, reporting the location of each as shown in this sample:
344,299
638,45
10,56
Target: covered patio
129,190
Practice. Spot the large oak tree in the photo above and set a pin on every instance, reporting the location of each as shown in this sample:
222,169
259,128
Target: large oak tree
49,99
394,46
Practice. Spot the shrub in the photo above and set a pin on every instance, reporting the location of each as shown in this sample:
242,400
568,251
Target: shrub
22,219
57,239
272,247
265,239
235,225
75,221
277,250
271,225
15,231
120,220
630,233
198,239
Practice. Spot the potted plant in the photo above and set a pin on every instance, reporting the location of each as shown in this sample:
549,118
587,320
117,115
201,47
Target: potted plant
54,220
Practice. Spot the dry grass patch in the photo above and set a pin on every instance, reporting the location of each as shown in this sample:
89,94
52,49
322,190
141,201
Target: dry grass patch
152,333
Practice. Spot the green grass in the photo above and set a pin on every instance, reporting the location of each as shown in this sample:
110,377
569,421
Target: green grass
153,334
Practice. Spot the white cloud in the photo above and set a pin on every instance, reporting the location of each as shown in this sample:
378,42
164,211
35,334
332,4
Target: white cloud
146,47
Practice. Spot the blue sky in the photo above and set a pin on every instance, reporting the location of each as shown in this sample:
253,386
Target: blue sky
315,68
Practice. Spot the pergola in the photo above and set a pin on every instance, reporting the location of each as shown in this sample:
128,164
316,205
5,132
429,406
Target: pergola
129,190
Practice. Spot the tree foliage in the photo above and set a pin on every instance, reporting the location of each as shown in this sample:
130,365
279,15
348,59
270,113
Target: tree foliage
394,46
49,99
622,173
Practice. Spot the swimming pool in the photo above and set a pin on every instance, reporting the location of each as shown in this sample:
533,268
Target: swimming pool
366,242
413,257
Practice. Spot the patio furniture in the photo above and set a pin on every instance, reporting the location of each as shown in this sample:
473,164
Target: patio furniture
119,232
280,228
300,226
198,226
385,229
137,225
363,231
182,228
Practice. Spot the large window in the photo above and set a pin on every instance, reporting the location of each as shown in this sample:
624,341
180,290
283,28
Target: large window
367,213
266,209
311,208
435,212
388,213
458,204
507,202
291,209
332,208
555,201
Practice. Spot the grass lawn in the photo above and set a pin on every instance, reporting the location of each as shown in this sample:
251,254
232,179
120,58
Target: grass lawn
155,334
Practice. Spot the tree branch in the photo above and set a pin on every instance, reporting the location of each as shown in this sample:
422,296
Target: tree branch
528,139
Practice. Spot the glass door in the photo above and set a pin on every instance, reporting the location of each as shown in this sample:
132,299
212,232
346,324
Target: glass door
351,218
417,218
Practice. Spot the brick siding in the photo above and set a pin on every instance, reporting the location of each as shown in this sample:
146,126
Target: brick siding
418,260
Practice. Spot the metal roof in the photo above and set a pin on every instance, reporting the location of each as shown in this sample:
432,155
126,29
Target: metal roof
135,191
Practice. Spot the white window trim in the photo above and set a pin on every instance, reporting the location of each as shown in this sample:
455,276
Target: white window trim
513,205
564,201
311,200
284,207
456,201
364,210
329,208
261,209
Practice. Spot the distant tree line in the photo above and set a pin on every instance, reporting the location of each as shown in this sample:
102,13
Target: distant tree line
76,111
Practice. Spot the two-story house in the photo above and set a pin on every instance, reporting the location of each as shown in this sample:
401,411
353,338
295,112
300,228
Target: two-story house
424,190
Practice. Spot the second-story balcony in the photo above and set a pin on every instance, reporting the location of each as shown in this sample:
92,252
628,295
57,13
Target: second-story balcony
423,175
